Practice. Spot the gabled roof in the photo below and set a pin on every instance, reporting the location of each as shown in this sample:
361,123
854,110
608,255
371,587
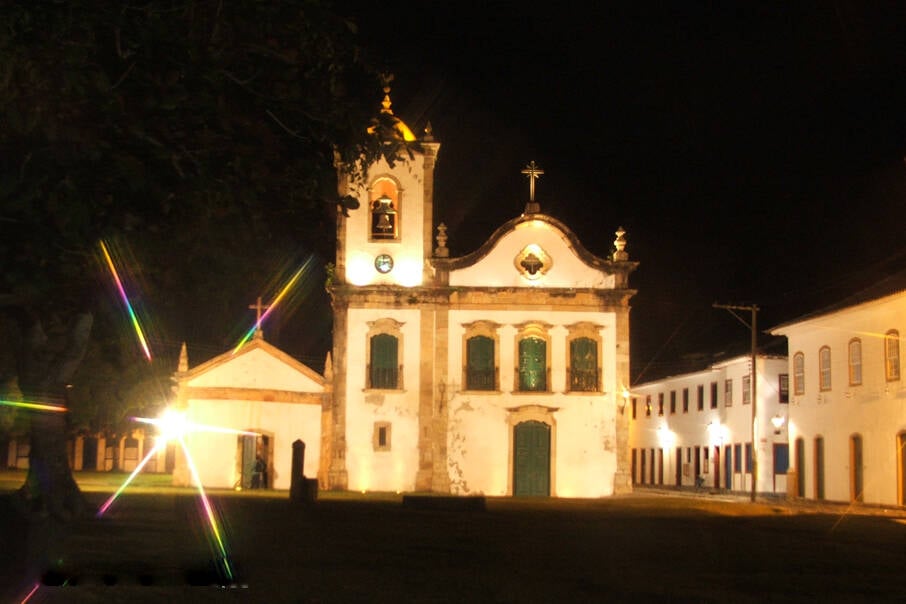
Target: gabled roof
253,345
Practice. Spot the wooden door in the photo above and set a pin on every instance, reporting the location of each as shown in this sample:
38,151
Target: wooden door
531,459
856,492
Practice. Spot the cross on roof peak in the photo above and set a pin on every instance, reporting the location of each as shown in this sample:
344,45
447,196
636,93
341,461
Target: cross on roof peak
258,307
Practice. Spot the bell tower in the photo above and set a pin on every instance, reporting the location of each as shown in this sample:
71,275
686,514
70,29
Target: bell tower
387,240
384,248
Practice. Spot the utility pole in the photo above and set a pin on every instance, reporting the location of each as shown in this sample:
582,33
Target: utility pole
754,310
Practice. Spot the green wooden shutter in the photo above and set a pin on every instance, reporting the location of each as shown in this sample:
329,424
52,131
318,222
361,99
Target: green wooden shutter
384,361
583,363
480,363
532,364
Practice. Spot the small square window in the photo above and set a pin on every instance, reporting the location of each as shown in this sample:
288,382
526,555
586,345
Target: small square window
380,440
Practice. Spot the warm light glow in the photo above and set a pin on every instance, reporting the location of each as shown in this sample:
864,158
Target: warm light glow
408,272
778,421
666,437
173,425
359,270
717,433
132,316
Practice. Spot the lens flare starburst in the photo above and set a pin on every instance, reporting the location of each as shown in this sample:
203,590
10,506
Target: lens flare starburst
173,425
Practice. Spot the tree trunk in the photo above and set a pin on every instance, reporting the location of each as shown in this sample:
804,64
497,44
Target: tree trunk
44,374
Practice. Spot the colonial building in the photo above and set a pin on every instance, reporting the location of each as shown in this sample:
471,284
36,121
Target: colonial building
698,425
498,372
847,418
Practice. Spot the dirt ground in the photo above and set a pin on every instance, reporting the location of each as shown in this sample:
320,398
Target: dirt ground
153,545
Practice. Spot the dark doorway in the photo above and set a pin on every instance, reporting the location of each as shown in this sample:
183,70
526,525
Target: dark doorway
901,459
819,467
716,467
531,459
728,468
800,467
856,491
679,466
89,453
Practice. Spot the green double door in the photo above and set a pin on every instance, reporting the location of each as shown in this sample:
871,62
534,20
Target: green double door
532,459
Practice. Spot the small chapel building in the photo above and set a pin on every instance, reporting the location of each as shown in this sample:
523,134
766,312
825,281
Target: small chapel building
502,372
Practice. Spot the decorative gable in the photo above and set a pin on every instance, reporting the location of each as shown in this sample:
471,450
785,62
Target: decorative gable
532,251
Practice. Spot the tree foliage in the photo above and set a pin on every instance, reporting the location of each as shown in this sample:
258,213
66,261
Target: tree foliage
198,136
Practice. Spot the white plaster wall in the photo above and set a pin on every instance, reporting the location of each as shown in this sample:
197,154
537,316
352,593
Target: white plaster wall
497,269
368,469
478,445
710,428
874,409
584,438
216,454
257,369
408,251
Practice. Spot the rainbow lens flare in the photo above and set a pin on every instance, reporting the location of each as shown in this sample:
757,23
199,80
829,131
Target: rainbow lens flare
173,425
34,406
288,286
132,316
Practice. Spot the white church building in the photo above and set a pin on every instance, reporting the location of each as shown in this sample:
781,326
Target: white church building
499,372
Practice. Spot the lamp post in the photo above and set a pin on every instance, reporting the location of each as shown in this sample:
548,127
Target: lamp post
754,310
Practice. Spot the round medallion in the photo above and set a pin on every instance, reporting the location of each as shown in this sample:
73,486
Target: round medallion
383,263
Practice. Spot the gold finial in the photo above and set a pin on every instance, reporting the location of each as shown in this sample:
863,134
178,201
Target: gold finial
429,132
386,79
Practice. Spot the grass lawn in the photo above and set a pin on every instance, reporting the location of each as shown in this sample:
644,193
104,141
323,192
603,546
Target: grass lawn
154,545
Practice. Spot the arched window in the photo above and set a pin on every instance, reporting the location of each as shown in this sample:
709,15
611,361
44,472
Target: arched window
892,355
824,368
798,373
385,209
855,362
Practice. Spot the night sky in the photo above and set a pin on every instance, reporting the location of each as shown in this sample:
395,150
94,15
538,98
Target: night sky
754,155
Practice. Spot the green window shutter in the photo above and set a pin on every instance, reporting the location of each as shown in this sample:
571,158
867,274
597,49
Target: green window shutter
384,361
532,364
583,363
480,370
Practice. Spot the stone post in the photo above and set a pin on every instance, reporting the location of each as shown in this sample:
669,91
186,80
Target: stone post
301,489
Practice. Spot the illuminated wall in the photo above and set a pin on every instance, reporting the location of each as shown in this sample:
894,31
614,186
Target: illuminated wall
870,408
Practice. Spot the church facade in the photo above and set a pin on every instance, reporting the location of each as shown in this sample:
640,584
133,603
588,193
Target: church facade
498,372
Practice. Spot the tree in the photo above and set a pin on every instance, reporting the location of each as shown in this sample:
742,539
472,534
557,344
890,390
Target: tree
192,135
